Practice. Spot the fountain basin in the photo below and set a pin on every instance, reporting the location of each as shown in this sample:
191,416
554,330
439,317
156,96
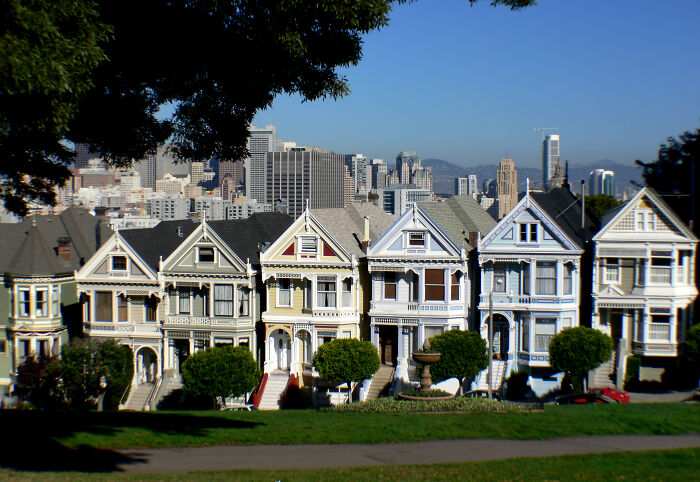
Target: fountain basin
426,357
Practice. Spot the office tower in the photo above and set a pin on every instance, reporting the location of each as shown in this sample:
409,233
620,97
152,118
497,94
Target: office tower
422,177
461,186
396,199
83,155
602,182
167,164
293,177
472,186
507,189
490,188
260,142
379,171
406,163
233,169
349,185
196,172
357,166
552,170
148,170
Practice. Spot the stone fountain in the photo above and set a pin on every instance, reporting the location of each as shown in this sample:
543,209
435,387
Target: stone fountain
426,358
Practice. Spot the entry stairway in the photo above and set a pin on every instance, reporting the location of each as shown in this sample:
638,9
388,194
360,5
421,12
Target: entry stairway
381,383
274,388
139,396
603,375
498,370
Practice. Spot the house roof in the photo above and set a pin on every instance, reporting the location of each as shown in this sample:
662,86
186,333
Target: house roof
30,246
347,225
458,216
241,235
565,209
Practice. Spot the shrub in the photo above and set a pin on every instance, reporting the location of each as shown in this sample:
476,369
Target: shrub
517,386
459,404
576,351
39,383
346,360
433,392
634,363
118,364
463,356
220,372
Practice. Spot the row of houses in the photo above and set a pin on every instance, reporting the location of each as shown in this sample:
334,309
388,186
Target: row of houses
283,287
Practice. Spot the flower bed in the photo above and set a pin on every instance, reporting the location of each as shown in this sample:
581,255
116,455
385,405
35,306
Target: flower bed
460,404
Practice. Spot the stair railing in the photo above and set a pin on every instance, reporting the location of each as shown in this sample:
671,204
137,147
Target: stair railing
258,393
152,393
122,402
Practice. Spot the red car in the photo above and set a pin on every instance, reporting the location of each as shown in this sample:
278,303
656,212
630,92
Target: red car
617,395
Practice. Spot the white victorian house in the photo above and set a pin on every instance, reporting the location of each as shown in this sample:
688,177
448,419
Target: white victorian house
420,280
531,265
644,278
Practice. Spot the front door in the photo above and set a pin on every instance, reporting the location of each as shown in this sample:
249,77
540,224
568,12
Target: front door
388,344
182,351
500,338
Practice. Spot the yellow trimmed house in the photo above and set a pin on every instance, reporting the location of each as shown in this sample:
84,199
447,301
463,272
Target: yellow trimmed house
317,288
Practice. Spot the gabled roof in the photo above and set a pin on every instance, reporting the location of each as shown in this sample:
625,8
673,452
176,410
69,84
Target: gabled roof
459,216
30,246
160,240
565,210
347,225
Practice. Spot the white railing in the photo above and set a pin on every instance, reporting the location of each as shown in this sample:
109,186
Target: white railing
526,299
325,313
188,320
660,275
122,327
659,332
415,308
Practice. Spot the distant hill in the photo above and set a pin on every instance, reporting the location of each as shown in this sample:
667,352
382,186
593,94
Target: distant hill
445,173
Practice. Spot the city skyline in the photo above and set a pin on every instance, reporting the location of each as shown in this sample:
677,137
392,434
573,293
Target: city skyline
481,98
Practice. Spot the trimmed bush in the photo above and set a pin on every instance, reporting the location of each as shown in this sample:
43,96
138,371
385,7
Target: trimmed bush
463,356
459,404
576,351
346,360
517,386
634,363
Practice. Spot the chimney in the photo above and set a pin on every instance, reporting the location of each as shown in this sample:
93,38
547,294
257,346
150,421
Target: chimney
473,239
179,231
63,249
365,240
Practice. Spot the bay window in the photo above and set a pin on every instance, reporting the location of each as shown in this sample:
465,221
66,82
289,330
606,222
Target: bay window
325,292
390,285
545,329
434,285
223,300
546,281
284,292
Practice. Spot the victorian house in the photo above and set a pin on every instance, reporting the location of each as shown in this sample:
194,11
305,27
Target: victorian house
38,300
643,280
421,278
533,280
316,284
177,288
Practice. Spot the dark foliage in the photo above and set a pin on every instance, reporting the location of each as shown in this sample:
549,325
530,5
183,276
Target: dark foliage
599,204
576,351
38,382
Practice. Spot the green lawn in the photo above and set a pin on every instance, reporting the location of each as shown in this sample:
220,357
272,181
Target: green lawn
664,465
181,429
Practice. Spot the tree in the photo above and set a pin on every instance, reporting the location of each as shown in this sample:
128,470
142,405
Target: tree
220,372
83,374
599,204
675,174
98,72
463,356
346,360
39,382
576,351
117,362
691,347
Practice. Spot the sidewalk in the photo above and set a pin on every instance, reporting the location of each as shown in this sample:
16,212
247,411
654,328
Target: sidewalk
405,453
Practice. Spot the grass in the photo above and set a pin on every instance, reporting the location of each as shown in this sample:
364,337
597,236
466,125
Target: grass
682,464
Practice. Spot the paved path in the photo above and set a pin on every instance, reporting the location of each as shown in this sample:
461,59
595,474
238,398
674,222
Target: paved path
357,455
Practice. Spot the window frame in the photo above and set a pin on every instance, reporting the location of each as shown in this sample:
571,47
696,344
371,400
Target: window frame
540,341
208,249
243,297
391,284
184,300
41,307
415,239
568,278
499,272
281,290
430,284
346,294
305,249
24,307
122,308
330,295
223,303
538,278
455,286
105,295
114,258
611,270
528,232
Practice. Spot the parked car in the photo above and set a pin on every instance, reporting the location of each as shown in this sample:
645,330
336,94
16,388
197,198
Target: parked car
481,394
580,398
617,395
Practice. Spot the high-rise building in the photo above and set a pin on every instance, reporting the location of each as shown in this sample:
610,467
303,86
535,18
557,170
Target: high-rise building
472,186
357,165
234,169
406,163
293,177
507,190
552,170
397,198
83,154
196,172
603,182
461,186
349,185
261,141
379,171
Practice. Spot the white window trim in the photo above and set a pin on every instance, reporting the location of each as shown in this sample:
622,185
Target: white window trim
528,232
301,253
207,263
111,263
606,271
28,290
47,301
416,246
338,289
291,293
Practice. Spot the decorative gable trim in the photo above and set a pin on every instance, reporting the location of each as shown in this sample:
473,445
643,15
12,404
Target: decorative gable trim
116,244
203,234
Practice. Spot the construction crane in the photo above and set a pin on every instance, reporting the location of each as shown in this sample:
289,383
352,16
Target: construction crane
542,129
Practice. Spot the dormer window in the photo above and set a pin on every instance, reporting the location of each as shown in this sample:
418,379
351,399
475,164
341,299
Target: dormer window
308,245
118,263
416,238
528,233
206,255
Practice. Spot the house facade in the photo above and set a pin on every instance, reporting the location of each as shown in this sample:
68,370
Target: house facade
644,278
531,265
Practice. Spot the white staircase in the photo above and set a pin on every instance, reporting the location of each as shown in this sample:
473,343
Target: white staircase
274,388
138,396
601,376
381,381
498,371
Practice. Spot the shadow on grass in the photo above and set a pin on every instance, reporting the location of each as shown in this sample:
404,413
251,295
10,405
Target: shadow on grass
31,439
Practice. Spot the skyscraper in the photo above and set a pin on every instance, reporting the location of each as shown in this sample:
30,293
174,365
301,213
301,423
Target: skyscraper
357,165
603,182
148,170
406,163
83,155
551,165
472,186
260,142
507,190
461,186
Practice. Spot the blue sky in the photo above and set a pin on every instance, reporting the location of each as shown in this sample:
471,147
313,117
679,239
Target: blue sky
469,84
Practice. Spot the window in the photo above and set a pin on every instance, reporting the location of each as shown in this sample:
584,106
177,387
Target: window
284,292
151,309
347,293
42,302
454,286
24,303
431,331
223,300
183,295
645,220
416,239
206,255
308,244
526,334
568,279
42,348
546,281
103,300
390,285
414,287
244,342
526,278
308,294
325,292
528,233
641,272
3,346
55,301
434,285
499,278
611,270
122,308
243,301
545,329
118,263
660,327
